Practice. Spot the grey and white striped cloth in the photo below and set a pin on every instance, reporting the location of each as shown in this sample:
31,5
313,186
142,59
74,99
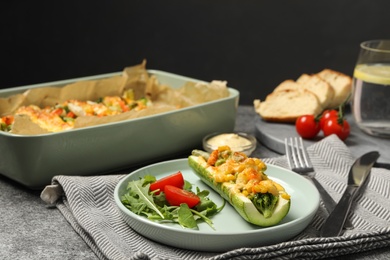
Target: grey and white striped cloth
88,205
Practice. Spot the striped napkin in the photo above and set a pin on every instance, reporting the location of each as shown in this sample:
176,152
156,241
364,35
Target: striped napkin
88,205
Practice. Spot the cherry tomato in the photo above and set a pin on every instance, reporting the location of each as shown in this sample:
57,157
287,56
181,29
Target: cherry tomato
175,179
307,126
339,127
327,114
176,196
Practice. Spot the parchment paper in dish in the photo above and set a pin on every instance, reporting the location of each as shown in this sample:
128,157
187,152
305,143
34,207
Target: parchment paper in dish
24,126
85,121
164,98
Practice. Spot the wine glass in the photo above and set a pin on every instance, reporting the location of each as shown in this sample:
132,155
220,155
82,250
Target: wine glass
371,88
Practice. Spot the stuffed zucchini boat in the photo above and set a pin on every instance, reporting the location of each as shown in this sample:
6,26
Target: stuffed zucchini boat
242,182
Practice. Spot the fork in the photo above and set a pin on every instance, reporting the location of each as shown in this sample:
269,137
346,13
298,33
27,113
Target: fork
299,162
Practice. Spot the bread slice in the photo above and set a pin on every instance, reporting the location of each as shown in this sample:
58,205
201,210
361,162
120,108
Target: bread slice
341,83
289,84
318,86
285,106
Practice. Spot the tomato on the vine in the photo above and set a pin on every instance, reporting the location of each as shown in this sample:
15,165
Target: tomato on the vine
176,196
327,114
337,126
330,121
307,126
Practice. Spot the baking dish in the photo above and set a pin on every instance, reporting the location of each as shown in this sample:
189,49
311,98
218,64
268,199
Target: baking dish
33,160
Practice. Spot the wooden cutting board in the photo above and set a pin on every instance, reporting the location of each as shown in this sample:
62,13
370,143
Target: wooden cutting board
272,135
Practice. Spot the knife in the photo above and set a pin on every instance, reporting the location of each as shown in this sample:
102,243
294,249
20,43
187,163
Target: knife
357,176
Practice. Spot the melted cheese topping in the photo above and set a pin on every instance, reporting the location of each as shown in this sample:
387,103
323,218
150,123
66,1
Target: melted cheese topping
49,121
247,174
61,117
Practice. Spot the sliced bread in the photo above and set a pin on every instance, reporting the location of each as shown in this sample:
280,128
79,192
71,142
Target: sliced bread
288,84
287,105
318,86
341,83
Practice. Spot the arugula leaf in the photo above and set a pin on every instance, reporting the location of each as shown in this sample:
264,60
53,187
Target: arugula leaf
143,195
186,219
206,204
149,179
187,186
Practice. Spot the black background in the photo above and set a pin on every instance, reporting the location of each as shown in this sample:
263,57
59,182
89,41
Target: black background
254,44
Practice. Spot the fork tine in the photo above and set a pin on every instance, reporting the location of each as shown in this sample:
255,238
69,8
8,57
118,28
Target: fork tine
304,154
291,154
304,161
297,155
288,153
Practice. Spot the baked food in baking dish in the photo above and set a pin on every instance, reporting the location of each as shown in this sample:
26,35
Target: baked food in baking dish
62,116
134,93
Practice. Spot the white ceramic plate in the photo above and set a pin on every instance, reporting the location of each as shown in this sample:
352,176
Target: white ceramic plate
231,231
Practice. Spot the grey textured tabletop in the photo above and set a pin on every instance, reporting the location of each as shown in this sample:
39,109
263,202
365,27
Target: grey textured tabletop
30,230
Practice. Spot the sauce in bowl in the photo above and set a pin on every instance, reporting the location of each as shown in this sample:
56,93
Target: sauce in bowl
240,142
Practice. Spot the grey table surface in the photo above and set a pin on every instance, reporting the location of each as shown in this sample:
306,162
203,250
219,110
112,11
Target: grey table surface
30,230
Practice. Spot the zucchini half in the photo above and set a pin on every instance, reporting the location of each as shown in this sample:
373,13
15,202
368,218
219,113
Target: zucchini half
242,203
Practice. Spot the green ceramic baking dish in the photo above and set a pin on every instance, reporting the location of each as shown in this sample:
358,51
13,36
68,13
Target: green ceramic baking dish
34,160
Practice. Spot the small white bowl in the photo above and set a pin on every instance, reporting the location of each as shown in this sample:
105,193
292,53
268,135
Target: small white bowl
240,142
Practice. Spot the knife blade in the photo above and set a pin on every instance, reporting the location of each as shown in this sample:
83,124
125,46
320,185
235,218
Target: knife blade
357,177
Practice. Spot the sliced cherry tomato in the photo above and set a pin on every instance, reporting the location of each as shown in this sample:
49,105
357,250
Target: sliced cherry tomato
176,196
307,126
175,179
327,114
337,126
